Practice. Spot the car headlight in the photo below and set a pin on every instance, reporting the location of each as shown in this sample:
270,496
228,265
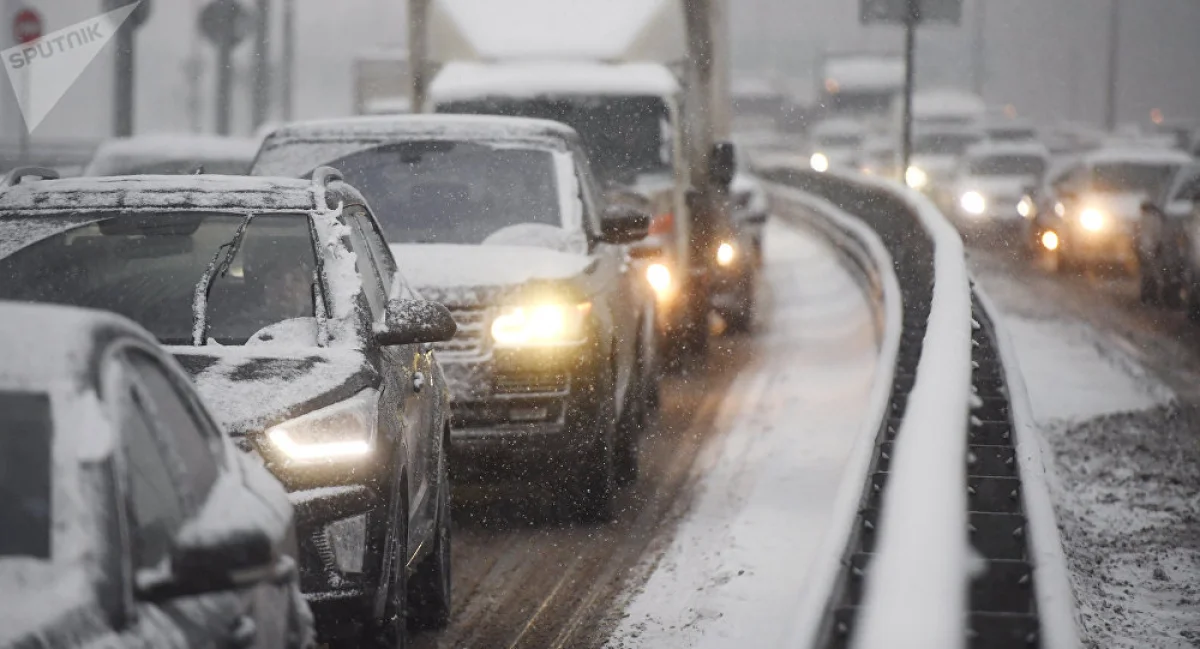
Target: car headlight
726,253
1026,208
540,324
819,162
659,277
1060,209
1050,240
973,202
1092,219
916,177
342,431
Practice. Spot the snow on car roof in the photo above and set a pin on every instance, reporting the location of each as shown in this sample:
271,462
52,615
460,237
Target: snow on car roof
190,147
44,345
391,127
868,73
91,194
993,148
463,81
1135,155
932,103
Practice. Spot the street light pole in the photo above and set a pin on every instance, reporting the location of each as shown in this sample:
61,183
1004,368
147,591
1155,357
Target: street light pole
912,16
1114,58
979,49
289,58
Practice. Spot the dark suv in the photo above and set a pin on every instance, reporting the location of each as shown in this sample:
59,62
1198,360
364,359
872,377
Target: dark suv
500,219
282,300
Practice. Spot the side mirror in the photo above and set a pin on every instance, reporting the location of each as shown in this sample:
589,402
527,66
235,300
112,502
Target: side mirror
624,224
722,163
215,551
410,322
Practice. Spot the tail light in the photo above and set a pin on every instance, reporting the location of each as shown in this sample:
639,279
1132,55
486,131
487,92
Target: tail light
663,224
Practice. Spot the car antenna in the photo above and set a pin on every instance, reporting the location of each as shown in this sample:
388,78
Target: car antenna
219,266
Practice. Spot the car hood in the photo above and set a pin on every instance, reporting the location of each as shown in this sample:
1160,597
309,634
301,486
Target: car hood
1126,206
466,275
251,388
935,164
996,186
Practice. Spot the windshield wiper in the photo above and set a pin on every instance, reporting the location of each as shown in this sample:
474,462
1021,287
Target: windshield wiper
219,266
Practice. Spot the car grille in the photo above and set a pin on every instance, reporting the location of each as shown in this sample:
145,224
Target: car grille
530,383
471,337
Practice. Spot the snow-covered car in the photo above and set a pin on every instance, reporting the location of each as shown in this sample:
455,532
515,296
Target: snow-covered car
836,143
1089,211
993,180
936,153
499,218
283,301
172,154
129,519
1164,240
1010,130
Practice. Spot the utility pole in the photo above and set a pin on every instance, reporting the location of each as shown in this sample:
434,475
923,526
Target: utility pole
979,49
123,81
261,88
1114,59
912,17
289,58
418,52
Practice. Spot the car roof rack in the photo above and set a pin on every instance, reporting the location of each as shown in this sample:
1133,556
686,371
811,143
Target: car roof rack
15,176
322,176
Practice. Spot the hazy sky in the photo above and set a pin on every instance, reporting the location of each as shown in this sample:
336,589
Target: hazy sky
1047,57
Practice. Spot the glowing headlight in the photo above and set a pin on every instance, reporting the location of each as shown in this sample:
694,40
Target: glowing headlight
543,324
916,177
1060,209
1092,219
341,431
819,162
1025,208
659,277
1050,240
973,203
726,253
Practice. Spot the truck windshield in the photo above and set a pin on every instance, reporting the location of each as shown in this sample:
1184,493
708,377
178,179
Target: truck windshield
624,136
146,268
437,191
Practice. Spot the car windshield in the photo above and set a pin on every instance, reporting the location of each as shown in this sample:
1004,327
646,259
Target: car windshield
943,143
1015,134
26,441
1008,165
624,136
438,191
1130,178
148,267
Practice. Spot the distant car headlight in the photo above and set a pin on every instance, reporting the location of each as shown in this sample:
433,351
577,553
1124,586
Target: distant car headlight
726,253
916,177
819,162
659,277
540,324
1050,240
342,431
1060,209
1092,219
973,202
1026,208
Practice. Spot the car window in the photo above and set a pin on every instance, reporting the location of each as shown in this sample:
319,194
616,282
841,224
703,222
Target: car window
178,420
377,245
374,287
26,474
587,191
155,498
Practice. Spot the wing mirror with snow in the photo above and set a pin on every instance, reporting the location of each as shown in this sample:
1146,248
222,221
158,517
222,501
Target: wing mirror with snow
623,224
411,322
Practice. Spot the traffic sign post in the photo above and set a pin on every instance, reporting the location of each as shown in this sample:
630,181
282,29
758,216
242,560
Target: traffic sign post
27,27
225,24
123,61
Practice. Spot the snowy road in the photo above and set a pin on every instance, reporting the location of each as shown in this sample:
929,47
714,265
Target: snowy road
1115,390
738,481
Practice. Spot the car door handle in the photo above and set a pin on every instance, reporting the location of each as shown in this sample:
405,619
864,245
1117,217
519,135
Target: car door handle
243,632
418,381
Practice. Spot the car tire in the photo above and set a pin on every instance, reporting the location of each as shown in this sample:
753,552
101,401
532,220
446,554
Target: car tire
741,319
633,422
594,488
429,590
1149,291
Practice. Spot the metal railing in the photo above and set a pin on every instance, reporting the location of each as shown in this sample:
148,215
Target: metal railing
951,539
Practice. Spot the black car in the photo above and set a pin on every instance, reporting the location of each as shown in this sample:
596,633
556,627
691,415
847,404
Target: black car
500,219
1162,238
282,300
129,519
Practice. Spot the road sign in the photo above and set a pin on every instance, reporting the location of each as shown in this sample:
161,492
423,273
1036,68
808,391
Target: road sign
27,26
225,23
139,15
896,11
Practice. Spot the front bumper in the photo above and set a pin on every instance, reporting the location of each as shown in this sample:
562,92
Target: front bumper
1113,245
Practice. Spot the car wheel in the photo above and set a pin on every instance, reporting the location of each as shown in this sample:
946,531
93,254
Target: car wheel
429,589
1149,291
595,485
741,320
633,421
